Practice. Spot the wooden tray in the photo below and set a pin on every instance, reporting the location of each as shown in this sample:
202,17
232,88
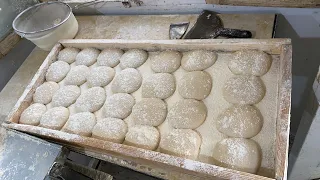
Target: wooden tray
170,166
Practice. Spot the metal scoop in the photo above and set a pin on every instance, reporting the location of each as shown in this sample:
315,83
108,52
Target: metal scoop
209,25
177,30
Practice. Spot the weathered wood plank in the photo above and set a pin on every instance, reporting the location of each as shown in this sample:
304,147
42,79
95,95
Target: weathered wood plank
271,3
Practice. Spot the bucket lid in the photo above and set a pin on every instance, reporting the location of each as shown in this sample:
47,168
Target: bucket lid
41,17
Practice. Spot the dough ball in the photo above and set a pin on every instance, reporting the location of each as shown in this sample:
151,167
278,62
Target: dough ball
238,154
119,105
68,55
198,60
87,56
57,71
44,92
109,57
145,137
240,121
166,62
66,96
100,76
159,85
55,118
133,58
244,90
187,114
195,85
149,111
91,100
32,114
182,143
127,81
110,129
77,75
250,62
81,124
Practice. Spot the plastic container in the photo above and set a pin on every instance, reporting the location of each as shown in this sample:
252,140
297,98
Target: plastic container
46,23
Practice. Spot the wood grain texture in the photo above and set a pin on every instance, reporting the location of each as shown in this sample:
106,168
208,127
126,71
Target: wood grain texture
271,3
284,108
8,43
272,46
172,167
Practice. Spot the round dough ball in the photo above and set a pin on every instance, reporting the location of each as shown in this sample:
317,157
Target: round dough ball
68,55
250,62
109,57
182,143
133,58
91,100
100,76
80,123
55,118
66,96
166,62
57,71
149,111
127,81
32,114
44,92
195,85
238,154
244,90
110,129
87,56
243,121
198,60
77,75
187,114
119,105
159,85
145,137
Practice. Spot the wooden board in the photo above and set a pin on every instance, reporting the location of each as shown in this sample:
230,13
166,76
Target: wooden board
271,3
173,167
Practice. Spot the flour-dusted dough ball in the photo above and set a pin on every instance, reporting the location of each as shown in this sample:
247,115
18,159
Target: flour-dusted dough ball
55,118
166,62
44,92
243,121
100,76
66,96
119,105
110,129
80,123
187,114
77,75
238,153
195,85
145,137
109,57
149,111
87,56
182,143
68,55
250,62
32,114
57,71
159,85
198,60
127,81
91,100
133,58
241,89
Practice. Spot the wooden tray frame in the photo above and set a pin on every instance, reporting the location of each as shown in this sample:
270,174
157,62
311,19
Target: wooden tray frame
171,166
